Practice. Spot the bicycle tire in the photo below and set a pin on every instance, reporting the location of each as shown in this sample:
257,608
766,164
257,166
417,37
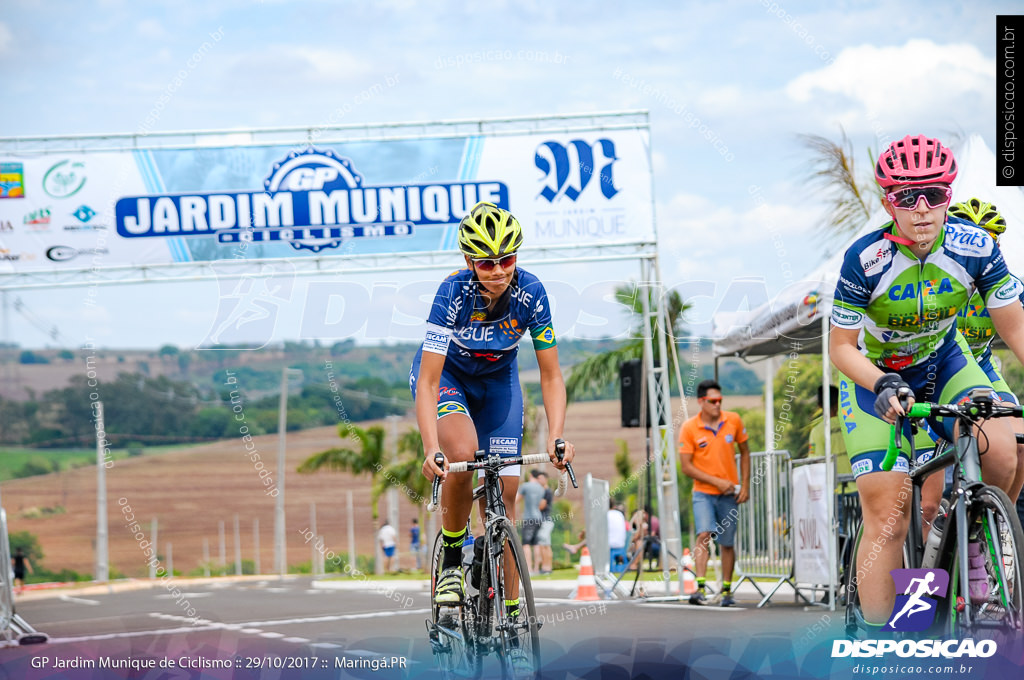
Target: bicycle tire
520,639
1002,542
456,656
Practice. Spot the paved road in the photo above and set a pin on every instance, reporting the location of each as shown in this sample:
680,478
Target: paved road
257,626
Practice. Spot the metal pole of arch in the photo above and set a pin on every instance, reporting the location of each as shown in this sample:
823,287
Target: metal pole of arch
153,538
102,572
280,545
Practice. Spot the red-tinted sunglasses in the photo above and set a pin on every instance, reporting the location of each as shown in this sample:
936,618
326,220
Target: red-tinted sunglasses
487,264
716,402
908,198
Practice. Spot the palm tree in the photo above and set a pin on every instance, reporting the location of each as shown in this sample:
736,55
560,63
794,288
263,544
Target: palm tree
603,369
833,171
407,476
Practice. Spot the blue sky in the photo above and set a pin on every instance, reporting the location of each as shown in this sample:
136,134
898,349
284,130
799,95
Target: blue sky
729,86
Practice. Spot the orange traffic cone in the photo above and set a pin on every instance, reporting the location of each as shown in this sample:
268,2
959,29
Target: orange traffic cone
586,587
689,580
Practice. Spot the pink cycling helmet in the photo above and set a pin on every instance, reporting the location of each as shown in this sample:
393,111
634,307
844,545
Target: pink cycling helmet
915,160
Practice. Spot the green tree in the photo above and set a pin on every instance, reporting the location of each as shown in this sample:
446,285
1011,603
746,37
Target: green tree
602,369
367,458
406,475
29,544
796,402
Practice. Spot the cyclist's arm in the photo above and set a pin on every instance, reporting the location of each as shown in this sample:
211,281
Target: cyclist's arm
847,357
552,389
426,402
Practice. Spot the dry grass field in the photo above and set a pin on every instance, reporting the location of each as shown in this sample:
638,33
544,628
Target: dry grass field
191,491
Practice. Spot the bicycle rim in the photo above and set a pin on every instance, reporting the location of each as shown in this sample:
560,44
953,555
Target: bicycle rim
451,633
519,638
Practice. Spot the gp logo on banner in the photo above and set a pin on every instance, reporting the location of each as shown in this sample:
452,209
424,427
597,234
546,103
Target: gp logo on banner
916,590
569,169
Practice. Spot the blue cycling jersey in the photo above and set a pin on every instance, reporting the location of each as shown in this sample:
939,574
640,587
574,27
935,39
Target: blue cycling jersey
476,341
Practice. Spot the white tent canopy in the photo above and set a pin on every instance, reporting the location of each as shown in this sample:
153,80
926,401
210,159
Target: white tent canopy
794,315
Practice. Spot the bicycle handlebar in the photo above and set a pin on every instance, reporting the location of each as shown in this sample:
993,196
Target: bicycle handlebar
494,463
980,407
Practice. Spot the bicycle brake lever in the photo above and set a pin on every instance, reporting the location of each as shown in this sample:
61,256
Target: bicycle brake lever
560,453
436,484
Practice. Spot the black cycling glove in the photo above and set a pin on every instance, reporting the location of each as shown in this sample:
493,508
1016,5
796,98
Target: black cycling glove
886,387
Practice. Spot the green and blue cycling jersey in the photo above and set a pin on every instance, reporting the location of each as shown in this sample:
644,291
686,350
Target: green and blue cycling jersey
906,310
975,324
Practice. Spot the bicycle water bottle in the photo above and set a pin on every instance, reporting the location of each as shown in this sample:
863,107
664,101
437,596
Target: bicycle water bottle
478,563
931,546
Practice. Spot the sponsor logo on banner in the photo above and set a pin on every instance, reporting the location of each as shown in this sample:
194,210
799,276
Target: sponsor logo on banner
313,199
65,253
6,226
504,446
12,180
7,256
84,215
569,169
38,220
64,179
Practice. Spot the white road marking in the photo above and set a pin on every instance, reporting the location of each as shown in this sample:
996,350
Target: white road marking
296,640
325,645
272,634
78,600
191,596
692,606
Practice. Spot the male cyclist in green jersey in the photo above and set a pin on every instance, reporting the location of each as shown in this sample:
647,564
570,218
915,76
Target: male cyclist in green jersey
894,327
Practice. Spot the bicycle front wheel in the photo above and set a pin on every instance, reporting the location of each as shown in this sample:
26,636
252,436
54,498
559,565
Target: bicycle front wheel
518,633
450,629
997,599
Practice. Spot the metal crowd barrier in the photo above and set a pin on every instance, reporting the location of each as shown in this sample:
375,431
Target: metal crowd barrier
13,628
764,544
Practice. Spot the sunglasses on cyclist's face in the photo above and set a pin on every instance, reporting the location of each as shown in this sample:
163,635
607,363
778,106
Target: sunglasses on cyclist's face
487,264
908,198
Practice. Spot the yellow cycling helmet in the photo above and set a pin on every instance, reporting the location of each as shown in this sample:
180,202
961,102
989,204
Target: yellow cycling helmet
985,215
489,231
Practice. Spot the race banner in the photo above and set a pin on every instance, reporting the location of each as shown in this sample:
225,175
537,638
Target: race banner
205,203
810,524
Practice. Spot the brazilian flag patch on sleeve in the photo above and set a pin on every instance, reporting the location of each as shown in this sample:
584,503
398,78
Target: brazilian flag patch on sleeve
543,337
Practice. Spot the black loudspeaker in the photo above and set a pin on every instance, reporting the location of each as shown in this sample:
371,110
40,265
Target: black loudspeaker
630,394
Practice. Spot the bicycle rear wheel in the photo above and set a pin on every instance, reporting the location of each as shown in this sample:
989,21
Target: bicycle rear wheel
518,637
1001,538
450,632
855,623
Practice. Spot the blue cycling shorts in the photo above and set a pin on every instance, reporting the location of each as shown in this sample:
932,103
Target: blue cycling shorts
494,402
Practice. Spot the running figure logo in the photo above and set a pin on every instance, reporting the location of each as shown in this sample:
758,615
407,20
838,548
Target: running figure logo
916,590
248,307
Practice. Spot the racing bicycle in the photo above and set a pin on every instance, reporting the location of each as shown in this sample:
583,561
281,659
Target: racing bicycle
462,635
977,513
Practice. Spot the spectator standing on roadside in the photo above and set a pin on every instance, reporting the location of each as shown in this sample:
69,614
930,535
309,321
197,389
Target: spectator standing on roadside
707,444
547,525
532,494
616,537
387,537
414,543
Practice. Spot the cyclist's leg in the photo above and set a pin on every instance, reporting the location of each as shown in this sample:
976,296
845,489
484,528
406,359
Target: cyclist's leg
956,374
885,499
457,438
497,407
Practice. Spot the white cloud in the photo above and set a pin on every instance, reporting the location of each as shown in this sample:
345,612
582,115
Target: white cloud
900,84
300,64
6,38
151,29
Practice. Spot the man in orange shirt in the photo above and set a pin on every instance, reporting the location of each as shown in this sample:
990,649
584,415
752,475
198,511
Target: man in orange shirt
706,449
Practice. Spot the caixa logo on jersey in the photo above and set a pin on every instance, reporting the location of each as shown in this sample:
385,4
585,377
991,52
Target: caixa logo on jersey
312,199
569,169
